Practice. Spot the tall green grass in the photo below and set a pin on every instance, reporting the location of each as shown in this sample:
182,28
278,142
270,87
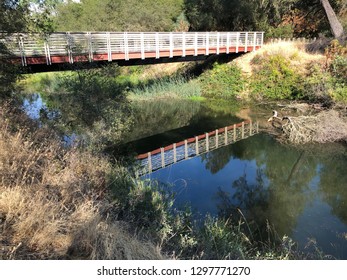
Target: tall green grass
178,86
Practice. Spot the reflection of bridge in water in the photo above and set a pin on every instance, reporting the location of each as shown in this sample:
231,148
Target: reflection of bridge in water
195,146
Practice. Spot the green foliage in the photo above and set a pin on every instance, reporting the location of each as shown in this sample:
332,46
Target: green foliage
282,31
177,86
317,85
275,78
223,80
338,67
234,14
121,15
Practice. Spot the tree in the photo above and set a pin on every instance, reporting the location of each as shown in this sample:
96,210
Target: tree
335,25
118,15
12,19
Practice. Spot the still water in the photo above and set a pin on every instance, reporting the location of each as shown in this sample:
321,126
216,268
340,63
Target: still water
300,191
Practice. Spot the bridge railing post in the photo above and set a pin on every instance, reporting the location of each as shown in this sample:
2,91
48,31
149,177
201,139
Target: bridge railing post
207,43
142,38
108,41
218,42
246,42
195,44
90,47
149,158
254,41
237,41
69,47
171,45
262,39
228,43
126,46
183,44
162,154
22,50
185,149
47,52
157,51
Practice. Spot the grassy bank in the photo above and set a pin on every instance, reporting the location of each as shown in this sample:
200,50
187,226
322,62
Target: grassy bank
287,70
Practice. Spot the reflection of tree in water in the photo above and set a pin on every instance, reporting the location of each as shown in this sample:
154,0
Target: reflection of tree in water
90,101
333,180
158,116
282,183
216,160
250,198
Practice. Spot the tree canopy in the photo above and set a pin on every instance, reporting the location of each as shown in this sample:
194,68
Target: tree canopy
118,15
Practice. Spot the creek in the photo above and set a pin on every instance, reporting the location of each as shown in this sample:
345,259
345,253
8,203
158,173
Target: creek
300,191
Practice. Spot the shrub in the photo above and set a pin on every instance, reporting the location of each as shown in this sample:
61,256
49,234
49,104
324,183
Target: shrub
276,79
317,85
223,80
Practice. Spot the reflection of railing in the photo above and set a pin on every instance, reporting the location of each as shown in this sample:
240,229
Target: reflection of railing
163,157
71,47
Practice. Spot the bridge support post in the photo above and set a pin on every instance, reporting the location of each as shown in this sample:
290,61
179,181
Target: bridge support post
207,142
226,136
196,145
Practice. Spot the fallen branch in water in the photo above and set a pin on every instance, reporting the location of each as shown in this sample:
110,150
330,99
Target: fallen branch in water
326,126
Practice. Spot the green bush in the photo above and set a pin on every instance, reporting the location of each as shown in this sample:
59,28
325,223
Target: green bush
317,85
275,78
223,80
338,68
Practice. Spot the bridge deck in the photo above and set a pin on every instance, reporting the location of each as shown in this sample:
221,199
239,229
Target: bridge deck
69,48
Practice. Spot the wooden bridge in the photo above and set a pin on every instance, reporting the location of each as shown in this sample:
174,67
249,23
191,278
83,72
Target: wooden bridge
195,146
48,53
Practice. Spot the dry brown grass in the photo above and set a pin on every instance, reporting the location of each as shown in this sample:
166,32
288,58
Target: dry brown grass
54,202
293,51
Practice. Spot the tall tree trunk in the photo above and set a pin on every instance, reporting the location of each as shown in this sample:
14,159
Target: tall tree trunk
335,25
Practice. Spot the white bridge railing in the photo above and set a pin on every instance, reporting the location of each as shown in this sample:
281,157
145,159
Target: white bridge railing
92,45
